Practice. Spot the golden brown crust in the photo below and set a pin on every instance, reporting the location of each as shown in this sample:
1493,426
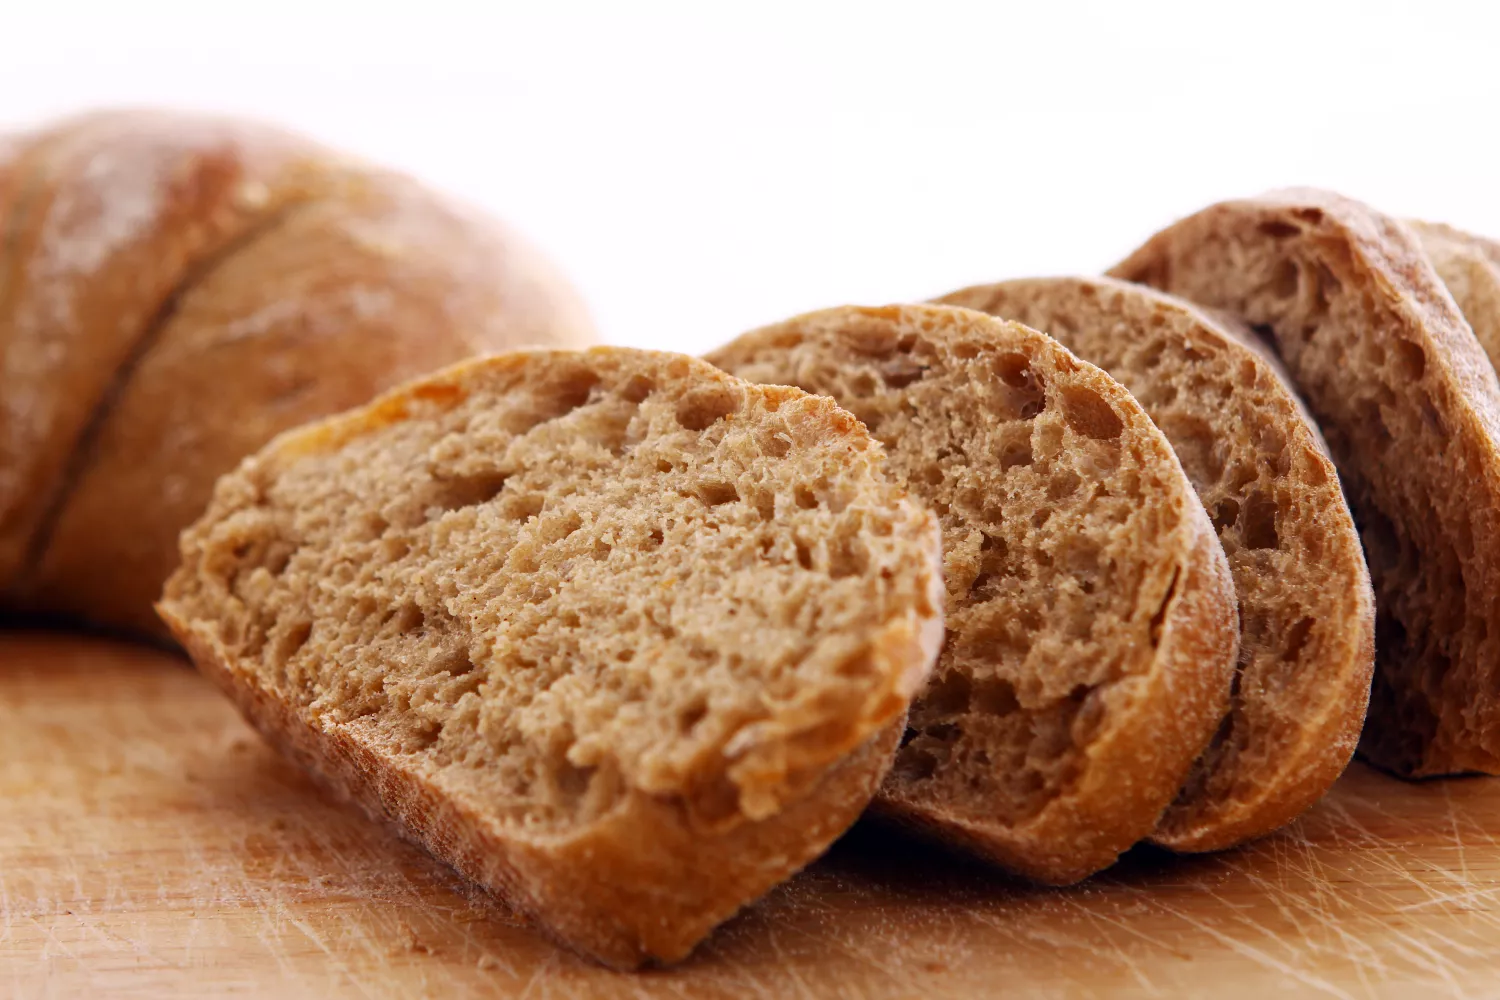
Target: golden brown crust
1411,410
701,881
117,209
1307,611
342,299
174,291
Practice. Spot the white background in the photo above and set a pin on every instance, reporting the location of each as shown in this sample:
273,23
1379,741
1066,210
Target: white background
700,168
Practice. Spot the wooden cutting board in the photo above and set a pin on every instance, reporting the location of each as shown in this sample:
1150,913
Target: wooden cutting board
152,846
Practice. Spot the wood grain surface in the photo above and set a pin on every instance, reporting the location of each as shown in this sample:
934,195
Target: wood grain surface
152,846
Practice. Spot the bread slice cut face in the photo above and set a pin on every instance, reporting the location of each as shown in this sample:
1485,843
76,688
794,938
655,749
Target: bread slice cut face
1307,613
621,637
1410,408
1091,631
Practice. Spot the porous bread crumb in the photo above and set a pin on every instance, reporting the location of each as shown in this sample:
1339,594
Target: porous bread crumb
1410,407
1075,554
553,584
1261,470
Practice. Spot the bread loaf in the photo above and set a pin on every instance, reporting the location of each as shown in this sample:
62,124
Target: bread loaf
1091,629
178,289
1262,471
1411,410
622,638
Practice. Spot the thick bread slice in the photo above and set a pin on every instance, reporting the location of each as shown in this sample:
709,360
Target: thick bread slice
1091,629
344,297
1307,614
1470,266
622,638
111,212
1411,410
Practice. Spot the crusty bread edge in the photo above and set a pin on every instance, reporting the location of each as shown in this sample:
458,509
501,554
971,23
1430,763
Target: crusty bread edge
667,884
1190,685
1328,739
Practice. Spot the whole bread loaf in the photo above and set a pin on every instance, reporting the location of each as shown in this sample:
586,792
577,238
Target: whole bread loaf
1091,629
621,637
174,291
1410,407
1263,472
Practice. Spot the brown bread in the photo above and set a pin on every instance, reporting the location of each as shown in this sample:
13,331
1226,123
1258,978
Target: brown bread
622,638
1411,410
174,291
1262,471
1091,630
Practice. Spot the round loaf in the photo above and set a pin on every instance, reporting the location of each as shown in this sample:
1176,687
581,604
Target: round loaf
175,290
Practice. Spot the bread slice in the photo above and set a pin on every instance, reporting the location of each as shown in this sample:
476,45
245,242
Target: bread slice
374,282
1307,614
620,637
1411,410
1470,267
111,211
1091,630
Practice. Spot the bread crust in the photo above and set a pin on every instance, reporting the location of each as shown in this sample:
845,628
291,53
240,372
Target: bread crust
1257,776
181,289
1410,407
112,211
647,880
374,283
1155,722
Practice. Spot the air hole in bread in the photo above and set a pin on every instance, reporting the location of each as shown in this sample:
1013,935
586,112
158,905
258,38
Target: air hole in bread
804,554
948,694
638,388
701,407
902,372
848,557
995,696
293,639
1258,522
1166,603
1296,639
1276,229
1285,279
471,490
691,714
806,498
1411,360
1225,513
1088,413
717,494
1015,453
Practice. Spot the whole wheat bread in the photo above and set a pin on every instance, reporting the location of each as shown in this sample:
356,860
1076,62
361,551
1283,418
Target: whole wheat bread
621,637
1262,471
1091,630
177,289
1411,410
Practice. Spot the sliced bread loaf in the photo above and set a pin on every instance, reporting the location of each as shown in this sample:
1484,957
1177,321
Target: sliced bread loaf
1411,410
1091,629
1262,471
621,637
